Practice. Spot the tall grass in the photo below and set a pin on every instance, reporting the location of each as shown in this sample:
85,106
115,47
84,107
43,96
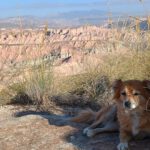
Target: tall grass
39,83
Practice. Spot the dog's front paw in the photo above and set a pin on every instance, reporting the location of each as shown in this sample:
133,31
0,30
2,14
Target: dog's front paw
123,146
90,133
85,130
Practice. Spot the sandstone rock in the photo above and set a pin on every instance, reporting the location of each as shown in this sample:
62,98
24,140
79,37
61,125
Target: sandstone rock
37,43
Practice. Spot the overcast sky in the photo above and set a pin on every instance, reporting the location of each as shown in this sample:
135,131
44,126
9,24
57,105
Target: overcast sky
42,8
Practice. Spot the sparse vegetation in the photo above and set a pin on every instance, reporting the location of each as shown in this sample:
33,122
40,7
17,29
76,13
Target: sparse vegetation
123,53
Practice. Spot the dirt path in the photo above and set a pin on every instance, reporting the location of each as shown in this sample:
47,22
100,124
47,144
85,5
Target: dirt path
36,131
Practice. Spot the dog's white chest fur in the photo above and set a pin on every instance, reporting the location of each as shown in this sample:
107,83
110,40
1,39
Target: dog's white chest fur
135,124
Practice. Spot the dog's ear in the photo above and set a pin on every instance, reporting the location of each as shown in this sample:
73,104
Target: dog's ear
146,84
116,86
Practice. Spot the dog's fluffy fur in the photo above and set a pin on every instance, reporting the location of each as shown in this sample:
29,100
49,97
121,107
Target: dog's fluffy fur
131,111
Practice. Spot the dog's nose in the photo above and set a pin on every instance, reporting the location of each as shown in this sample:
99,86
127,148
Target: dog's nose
127,104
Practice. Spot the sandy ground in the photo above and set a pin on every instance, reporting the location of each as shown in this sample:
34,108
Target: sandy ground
29,130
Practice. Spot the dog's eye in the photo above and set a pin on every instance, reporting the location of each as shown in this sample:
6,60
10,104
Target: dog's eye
136,94
123,93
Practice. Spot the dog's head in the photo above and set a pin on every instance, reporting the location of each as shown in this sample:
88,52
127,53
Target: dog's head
132,94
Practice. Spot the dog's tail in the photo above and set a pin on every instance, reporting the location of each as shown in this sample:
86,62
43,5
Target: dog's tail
85,116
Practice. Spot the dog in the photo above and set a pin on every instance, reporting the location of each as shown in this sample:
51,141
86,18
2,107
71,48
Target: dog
133,109
130,115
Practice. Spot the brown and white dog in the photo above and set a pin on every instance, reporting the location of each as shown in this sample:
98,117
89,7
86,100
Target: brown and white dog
130,114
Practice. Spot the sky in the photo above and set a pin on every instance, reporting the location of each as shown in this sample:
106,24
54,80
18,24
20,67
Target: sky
42,8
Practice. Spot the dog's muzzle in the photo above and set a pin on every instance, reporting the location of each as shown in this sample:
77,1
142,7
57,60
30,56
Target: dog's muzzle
130,104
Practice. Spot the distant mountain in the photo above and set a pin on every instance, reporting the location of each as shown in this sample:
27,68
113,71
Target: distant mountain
24,21
71,19
68,19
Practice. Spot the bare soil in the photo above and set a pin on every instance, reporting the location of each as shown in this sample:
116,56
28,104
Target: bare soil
22,129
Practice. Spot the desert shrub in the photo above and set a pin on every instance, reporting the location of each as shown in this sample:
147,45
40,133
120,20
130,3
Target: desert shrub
34,87
129,66
13,94
39,84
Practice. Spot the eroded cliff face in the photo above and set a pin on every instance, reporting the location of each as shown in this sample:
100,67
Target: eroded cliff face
50,42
